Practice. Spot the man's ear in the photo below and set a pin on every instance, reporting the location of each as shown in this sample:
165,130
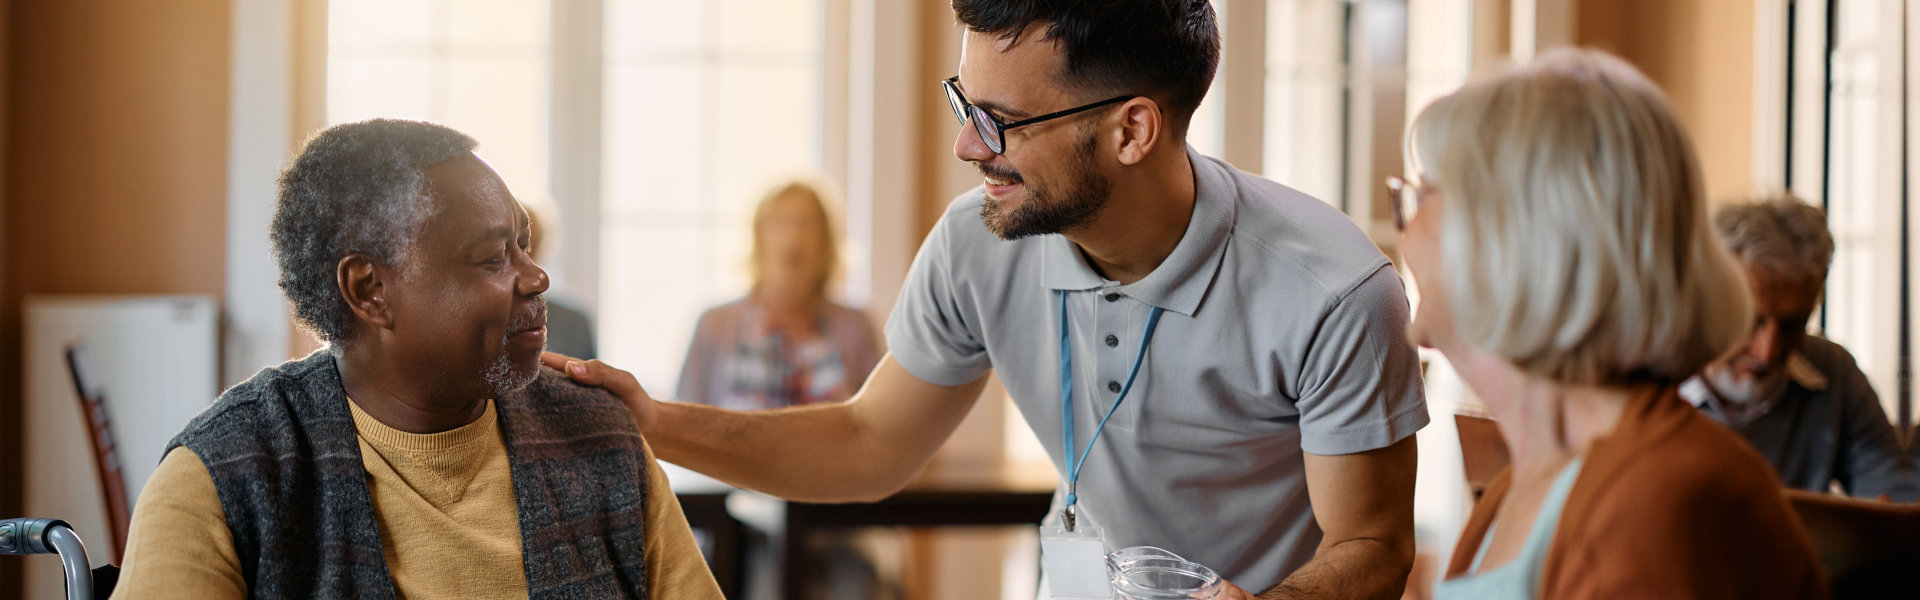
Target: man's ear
363,284
1141,126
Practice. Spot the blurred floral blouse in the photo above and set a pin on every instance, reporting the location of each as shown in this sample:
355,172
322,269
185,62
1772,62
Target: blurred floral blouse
738,361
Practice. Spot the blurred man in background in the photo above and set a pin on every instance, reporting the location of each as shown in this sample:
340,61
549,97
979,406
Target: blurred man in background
1799,398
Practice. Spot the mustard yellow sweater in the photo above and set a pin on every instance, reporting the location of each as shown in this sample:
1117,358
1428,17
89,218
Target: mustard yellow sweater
447,517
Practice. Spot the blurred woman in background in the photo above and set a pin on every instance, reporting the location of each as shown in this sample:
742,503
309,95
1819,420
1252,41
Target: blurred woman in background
1567,270
786,343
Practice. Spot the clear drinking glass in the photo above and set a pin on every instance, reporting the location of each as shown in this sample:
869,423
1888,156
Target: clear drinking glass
1149,573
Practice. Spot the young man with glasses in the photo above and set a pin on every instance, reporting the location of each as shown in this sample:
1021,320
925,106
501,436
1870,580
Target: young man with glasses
1225,356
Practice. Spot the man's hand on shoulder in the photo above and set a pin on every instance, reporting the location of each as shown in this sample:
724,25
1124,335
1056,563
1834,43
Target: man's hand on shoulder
620,383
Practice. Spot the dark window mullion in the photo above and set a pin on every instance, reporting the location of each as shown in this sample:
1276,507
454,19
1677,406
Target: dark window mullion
1905,368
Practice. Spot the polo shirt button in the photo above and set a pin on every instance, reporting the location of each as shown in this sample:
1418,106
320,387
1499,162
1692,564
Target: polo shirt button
1113,297
1113,386
1112,341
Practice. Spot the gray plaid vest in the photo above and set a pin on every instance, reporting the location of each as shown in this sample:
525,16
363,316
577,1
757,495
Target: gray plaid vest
283,453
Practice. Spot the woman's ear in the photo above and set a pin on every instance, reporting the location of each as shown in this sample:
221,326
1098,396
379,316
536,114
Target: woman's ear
363,284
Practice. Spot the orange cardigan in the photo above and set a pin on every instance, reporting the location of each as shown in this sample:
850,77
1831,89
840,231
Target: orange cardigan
1668,505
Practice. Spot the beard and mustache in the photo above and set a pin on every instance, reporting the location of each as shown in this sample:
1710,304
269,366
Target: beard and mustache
1744,395
1049,209
1742,387
502,376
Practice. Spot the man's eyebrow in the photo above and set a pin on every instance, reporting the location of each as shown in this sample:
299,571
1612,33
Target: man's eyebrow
494,235
991,106
1003,111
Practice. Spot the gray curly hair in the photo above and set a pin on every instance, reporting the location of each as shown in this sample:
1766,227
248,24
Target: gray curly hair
355,188
1778,232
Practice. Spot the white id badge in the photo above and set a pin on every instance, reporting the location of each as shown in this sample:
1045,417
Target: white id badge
1075,562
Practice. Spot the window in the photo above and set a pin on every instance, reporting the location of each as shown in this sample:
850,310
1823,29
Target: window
476,66
1306,113
706,105
1849,147
1337,104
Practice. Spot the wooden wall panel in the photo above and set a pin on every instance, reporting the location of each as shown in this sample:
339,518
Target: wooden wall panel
113,152
1701,53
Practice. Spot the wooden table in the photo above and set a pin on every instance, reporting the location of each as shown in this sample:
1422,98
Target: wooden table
941,496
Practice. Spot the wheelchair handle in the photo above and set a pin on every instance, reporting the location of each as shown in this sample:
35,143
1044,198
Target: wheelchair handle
50,536
19,537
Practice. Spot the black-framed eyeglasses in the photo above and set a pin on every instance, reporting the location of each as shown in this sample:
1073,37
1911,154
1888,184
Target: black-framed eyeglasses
1406,200
992,130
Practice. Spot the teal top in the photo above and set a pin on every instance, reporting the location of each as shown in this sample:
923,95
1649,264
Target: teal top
1520,579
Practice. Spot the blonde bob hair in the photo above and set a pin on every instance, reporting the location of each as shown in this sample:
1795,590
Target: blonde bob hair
1575,241
814,193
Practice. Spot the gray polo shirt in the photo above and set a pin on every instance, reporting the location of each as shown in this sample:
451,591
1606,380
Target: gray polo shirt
1284,331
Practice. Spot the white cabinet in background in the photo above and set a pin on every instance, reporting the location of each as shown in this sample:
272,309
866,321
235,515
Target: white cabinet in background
156,359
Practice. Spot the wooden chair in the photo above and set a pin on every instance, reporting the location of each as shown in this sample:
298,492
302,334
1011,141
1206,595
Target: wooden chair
1867,548
106,460
1483,451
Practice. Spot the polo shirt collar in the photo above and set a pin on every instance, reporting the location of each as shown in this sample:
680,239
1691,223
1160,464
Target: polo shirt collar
1181,281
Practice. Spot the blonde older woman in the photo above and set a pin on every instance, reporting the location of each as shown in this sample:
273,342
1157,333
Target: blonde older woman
1568,271
786,343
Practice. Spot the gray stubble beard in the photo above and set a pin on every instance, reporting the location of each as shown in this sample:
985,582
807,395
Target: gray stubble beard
500,375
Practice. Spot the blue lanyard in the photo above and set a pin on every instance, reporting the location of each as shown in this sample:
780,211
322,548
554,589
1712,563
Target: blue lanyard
1066,401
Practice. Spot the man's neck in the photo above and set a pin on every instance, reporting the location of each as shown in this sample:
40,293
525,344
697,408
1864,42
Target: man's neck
400,399
1142,221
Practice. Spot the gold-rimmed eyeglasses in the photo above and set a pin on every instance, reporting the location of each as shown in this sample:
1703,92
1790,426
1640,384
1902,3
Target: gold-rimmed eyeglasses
1406,200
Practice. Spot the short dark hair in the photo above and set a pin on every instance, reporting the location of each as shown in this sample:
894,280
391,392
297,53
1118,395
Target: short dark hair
1164,49
355,188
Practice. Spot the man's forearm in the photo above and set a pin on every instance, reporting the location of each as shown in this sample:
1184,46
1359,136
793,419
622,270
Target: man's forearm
810,453
862,450
1353,569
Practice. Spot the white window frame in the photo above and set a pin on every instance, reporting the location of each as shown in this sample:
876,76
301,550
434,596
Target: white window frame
1864,225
